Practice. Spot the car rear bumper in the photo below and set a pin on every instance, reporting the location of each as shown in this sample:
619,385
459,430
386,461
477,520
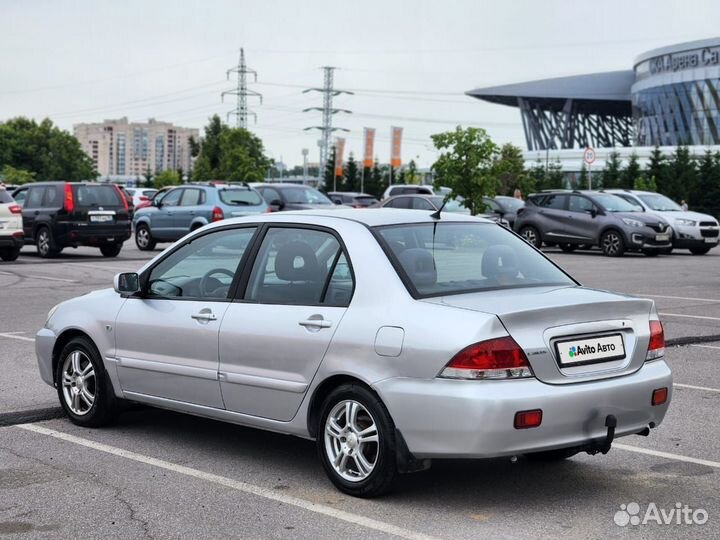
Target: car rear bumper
444,418
14,240
76,234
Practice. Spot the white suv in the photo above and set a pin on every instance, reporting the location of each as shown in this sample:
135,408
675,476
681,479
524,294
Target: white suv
691,230
11,227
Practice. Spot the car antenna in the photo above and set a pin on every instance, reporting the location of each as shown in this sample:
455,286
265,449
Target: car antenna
436,213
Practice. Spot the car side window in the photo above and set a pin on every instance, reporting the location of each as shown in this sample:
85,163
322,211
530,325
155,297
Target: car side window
172,198
419,203
631,200
271,195
20,197
203,269
492,206
580,204
400,202
51,198
35,197
293,267
192,197
556,202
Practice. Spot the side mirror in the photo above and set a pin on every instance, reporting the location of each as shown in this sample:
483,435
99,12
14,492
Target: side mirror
126,283
337,201
276,203
592,212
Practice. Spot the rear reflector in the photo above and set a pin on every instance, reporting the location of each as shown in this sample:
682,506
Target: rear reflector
659,396
656,347
499,358
15,209
528,419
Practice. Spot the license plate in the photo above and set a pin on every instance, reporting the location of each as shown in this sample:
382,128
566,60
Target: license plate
711,240
100,219
576,352
662,237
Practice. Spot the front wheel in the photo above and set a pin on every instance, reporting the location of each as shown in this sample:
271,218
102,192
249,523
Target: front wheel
531,235
9,254
699,250
356,442
111,250
612,244
143,238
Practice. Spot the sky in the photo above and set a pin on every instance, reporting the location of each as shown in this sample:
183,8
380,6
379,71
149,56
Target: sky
409,63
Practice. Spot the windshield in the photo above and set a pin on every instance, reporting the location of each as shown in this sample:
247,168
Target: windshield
437,259
453,205
240,197
305,195
660,203
613,203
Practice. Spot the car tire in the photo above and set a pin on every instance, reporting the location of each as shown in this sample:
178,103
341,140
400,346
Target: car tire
111,250
9,254
531,235
143,238
552,455
44,243
83,387
699,251
612,244
361,469
568,248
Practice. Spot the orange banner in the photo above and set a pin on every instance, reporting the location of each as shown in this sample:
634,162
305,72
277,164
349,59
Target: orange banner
369,147
339,150
395,150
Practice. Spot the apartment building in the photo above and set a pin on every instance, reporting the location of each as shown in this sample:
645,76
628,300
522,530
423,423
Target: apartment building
122,149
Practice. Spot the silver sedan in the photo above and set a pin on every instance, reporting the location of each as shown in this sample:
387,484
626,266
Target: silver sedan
390,337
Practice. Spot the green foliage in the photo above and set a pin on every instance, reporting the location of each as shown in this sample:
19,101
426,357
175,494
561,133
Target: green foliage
631,174
643,183
43,150
657,169
582,180
351,175
167,178
611,174
412,176
681,176
705,194
375,182
329,179
16,177
230,154
465,165
509,171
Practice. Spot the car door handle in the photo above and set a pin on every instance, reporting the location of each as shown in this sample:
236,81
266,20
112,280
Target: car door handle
204,315
316,323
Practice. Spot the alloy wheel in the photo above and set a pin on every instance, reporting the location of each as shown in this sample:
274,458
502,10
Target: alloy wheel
43,242
611,243
351,441
530,236
78,382
143,237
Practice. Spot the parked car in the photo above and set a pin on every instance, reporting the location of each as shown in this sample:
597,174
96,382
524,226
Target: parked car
57,215
433,203
351,198
130,202
154,198
11,230
283,197
407,189
369,333
504,207
588,218
690,230
141,195
186,208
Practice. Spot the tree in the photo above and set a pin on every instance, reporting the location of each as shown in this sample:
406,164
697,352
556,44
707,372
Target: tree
167,178
610,177
43,150
412,176
681,177
631,173
537,173
706,192
657,169
351,176
329,179
465,165
148,177
582,180
643,183
231,154
509,170
15,177
374,184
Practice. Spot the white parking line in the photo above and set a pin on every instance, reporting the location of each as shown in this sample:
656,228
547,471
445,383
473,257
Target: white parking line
31,276
705,346
690,316
692,387
244,487
667,455
676,297
11,335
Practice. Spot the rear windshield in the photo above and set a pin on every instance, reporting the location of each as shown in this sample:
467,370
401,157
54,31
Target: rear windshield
240,197
437,259
96,196
365,201
5,197
305,195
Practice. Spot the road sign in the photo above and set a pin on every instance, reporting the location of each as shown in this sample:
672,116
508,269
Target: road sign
589,155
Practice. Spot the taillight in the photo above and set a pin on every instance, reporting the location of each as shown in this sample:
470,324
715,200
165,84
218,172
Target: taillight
656,348
143,198
499,358
69,200
15,209
122,197
217,214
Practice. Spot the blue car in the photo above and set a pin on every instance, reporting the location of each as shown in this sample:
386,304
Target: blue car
189,207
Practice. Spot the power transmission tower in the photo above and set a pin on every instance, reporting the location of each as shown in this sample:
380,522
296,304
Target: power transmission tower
328,111
241,111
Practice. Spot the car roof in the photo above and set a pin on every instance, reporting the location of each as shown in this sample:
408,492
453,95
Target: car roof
416,196
351,193
282,185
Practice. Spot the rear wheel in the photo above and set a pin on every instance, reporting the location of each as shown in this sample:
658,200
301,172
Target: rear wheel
143,238
699,250
356,442
532,235
612,244
568,248
111,250
9,254
44,243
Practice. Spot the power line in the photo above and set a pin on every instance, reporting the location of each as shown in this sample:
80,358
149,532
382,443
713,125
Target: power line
241,111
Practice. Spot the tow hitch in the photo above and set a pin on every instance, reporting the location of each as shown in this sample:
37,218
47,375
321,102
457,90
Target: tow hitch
603,445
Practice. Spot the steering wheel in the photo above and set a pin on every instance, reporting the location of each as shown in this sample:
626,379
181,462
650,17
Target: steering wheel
205,281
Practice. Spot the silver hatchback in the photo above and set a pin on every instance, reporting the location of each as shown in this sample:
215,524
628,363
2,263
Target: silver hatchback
390,337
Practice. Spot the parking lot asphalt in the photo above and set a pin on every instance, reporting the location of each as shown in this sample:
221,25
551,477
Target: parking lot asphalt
157,474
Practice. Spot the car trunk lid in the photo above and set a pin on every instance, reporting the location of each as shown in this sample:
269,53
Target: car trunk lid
610,332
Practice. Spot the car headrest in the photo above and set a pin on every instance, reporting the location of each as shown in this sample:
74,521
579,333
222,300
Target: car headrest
499,261
419,265
296,261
